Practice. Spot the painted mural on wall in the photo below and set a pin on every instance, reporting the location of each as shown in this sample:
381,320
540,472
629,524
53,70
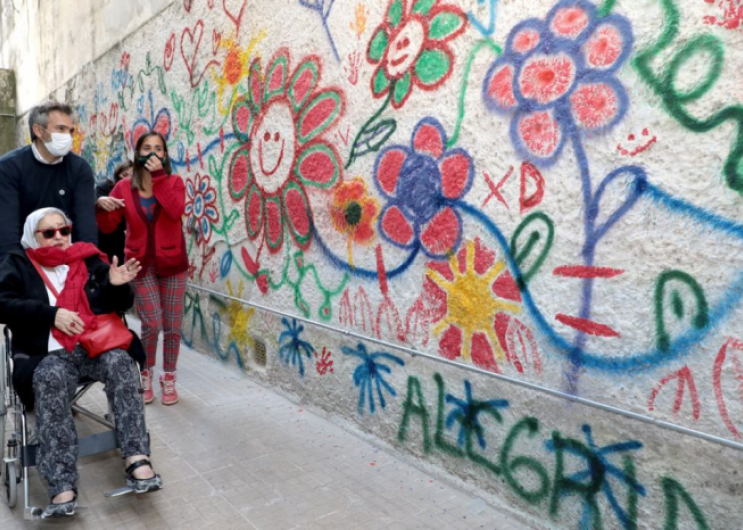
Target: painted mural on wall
551,191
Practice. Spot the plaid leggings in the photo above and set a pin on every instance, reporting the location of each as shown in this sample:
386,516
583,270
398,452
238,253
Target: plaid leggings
159,303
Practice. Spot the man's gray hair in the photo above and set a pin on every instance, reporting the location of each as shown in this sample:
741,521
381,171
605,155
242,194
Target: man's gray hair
40,114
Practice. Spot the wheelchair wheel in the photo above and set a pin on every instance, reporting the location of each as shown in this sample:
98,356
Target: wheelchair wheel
11,484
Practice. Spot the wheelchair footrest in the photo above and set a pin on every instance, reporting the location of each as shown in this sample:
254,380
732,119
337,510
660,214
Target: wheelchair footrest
98,443
87,446
120,492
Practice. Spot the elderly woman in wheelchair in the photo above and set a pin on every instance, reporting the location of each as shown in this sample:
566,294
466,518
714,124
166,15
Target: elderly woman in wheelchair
53,296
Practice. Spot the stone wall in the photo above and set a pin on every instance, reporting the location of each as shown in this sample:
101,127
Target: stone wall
503,239
7,111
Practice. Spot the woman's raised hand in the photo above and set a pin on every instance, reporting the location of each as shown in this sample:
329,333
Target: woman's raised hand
125,273
68,322
153,164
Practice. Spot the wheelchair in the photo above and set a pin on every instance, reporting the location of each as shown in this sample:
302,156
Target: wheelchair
21,444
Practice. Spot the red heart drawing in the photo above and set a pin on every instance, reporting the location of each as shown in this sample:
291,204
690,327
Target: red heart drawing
169,52
236,19
102,123
189,56
216,40
113,117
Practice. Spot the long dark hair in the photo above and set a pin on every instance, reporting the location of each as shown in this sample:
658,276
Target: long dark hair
139,169
118,170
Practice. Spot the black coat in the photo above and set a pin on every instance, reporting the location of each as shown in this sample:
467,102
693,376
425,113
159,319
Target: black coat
24,307
28,185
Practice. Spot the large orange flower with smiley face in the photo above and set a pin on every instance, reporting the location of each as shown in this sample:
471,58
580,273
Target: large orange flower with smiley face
281,122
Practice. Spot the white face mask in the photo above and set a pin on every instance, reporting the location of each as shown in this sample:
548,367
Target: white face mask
60,144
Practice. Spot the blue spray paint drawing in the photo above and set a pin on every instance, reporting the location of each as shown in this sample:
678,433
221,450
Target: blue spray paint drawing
292,348
323,7
369,376
602,472
488,29
467,413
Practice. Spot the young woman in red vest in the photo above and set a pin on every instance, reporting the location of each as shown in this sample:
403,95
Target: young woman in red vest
152,202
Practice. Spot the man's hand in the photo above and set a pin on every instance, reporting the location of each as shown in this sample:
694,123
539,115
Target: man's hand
68,322
109,204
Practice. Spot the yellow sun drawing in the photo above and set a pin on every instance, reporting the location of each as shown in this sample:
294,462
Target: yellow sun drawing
234,69
471,305
239,319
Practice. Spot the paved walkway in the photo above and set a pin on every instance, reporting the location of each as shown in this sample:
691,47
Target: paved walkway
236,455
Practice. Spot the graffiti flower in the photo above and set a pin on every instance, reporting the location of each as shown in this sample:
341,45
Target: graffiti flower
599,464
422,183
281,122
369,375
293,348
467,413
467,295
354,212
201,207
161,123
557,77
411,47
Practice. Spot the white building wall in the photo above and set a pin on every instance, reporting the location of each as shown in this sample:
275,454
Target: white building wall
574,235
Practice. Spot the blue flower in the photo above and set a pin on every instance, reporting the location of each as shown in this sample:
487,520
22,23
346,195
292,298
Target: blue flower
609,472
557,77
421,184
369,374
292,347
467,414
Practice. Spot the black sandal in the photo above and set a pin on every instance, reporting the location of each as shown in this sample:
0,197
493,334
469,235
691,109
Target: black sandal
142,485
62,509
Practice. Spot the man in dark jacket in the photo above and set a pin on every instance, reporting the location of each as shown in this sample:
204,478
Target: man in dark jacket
46,174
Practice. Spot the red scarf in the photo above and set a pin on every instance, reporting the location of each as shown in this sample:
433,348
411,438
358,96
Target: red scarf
72,297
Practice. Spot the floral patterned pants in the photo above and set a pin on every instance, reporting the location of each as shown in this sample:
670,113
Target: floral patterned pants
55,381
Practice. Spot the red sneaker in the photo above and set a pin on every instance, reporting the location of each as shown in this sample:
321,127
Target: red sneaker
148,396
167,383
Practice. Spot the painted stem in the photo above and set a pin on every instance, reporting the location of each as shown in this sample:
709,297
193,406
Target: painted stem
463,92
589,248
360,271
352,157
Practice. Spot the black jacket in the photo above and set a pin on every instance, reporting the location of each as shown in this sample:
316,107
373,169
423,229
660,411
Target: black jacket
24,307
28,185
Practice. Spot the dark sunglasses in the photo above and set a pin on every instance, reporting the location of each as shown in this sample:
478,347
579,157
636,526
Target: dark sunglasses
50,232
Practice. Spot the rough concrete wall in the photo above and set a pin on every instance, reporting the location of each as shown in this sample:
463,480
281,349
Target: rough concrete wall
49,41
551,193
7,111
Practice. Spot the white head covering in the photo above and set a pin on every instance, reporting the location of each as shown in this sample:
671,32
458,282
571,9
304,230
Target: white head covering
32,224
56,275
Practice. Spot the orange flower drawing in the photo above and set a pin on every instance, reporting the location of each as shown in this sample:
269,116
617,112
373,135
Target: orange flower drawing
354,213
